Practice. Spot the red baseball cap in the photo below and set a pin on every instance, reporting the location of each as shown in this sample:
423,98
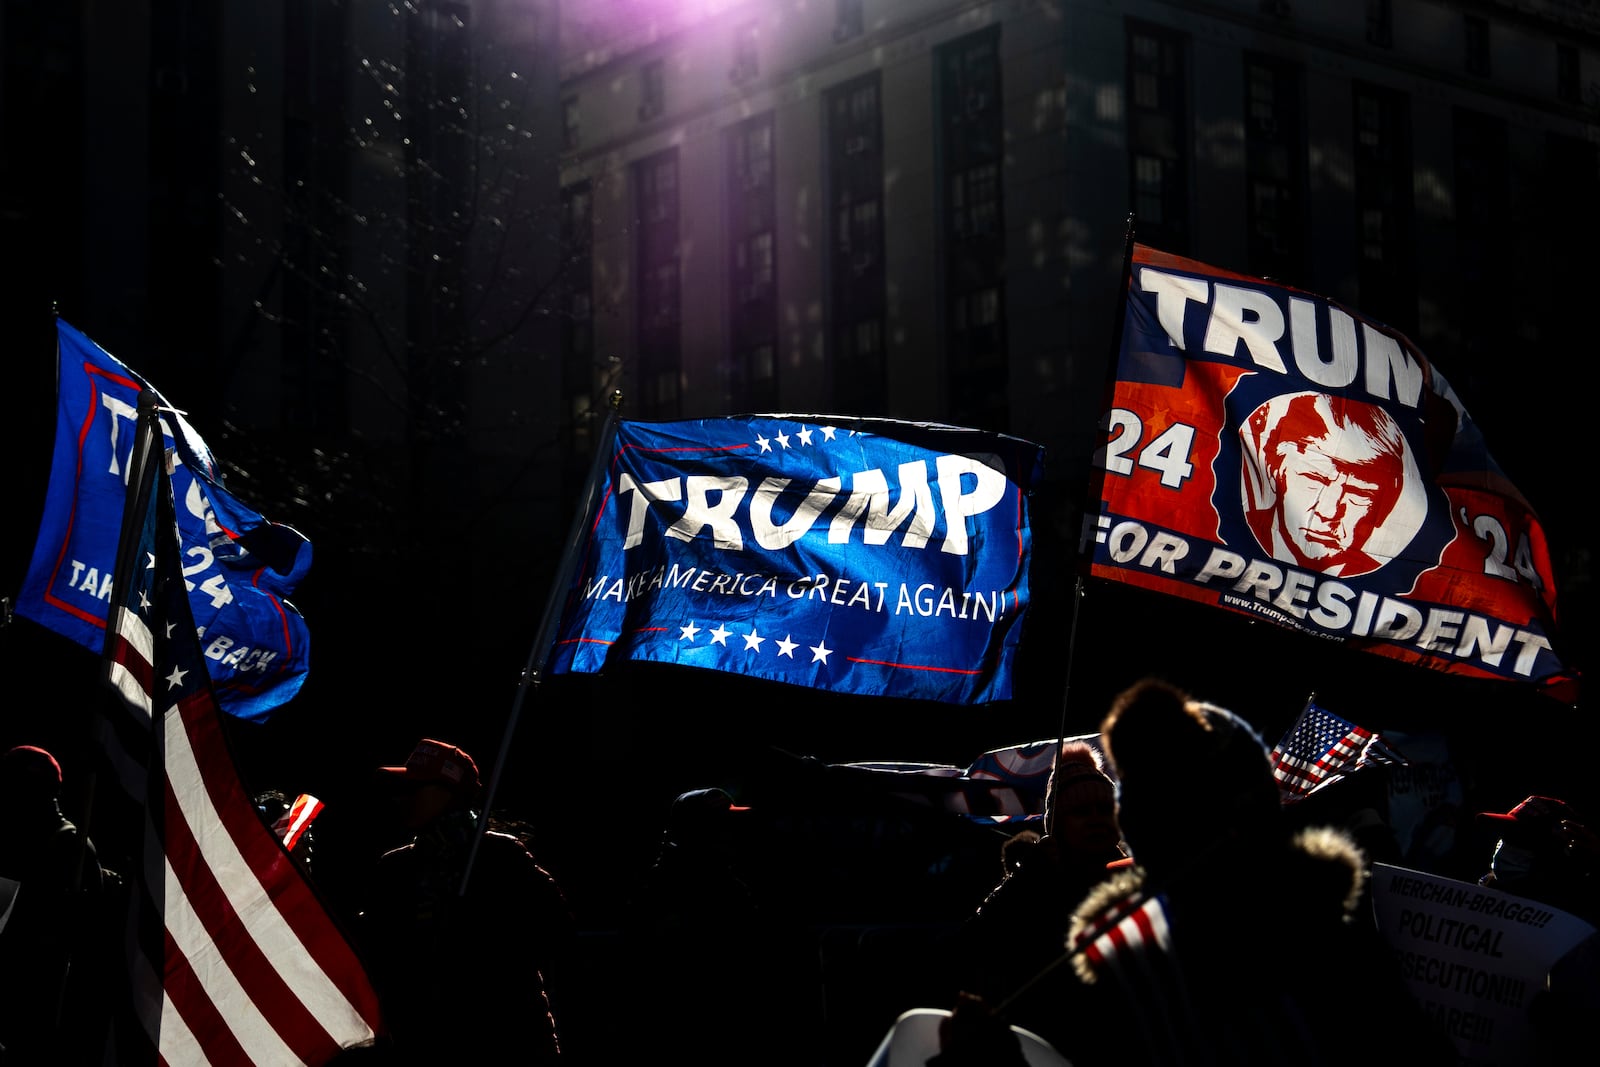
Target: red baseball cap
437,763
34,768
1535,819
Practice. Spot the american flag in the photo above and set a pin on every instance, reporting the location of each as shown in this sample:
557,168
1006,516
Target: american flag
232,957
1130,946
297,819
1133,936
1321,748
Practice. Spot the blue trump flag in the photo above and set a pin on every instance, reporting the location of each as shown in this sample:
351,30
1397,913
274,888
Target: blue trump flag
862,556
239,568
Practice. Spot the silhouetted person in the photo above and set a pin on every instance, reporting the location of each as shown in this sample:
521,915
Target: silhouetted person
1233,939
715,970
694,877
461,977
47,1015
1018,930
1545,852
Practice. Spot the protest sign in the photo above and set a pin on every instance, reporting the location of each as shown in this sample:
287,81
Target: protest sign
1475,957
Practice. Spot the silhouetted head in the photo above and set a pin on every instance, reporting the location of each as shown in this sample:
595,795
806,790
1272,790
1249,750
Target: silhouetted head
1080,802
1544,851
1192,779
700,818
435,779
29,774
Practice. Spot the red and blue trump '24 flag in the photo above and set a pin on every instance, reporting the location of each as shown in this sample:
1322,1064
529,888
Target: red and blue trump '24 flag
861,556
240,568
1271,452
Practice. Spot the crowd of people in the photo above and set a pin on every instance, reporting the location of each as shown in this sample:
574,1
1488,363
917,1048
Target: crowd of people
1167,908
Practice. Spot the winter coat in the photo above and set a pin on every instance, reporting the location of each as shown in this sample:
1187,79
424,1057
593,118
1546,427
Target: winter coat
1264,957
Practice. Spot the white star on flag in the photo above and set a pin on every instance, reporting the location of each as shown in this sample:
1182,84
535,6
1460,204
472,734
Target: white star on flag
687,633
753,640
786,647
719,636
766,445
175,679
828,432
820,652
805,435
782,439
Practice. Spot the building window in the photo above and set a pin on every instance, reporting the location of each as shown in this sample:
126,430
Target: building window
659,188
570,133
1158,134
1275,154
1482,248
751,147
659,291
752,265
1477,39
975,202
1380,23
1383,196
857,295
577,327
746,60
971,122
848,19
1568,82
652,90
1149,188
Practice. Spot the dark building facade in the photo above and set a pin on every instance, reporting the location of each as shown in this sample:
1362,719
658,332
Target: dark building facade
951,183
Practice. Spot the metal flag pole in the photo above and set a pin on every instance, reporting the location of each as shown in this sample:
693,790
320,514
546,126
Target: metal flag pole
544,637
1110,384
1066,686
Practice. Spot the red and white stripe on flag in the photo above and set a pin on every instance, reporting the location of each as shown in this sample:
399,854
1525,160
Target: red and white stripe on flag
250,965
292,824
253,968
1122,943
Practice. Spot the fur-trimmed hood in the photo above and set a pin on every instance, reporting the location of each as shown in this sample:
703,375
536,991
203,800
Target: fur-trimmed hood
1317,881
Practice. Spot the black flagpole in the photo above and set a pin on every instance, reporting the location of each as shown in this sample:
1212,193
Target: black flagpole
1078,589
545,637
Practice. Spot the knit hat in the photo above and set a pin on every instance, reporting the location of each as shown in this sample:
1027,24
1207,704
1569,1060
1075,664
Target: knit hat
1076,777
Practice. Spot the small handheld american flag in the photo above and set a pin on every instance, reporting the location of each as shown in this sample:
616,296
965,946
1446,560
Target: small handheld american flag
297,819
1321,748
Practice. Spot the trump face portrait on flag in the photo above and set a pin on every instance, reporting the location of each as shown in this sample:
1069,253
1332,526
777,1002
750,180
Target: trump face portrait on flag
1329,484
1274,453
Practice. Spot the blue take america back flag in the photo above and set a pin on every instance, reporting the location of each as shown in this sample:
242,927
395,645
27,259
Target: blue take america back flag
857,555
1320,748
238,567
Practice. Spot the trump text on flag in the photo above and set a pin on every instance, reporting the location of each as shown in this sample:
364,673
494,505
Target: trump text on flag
1273,453
887,561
